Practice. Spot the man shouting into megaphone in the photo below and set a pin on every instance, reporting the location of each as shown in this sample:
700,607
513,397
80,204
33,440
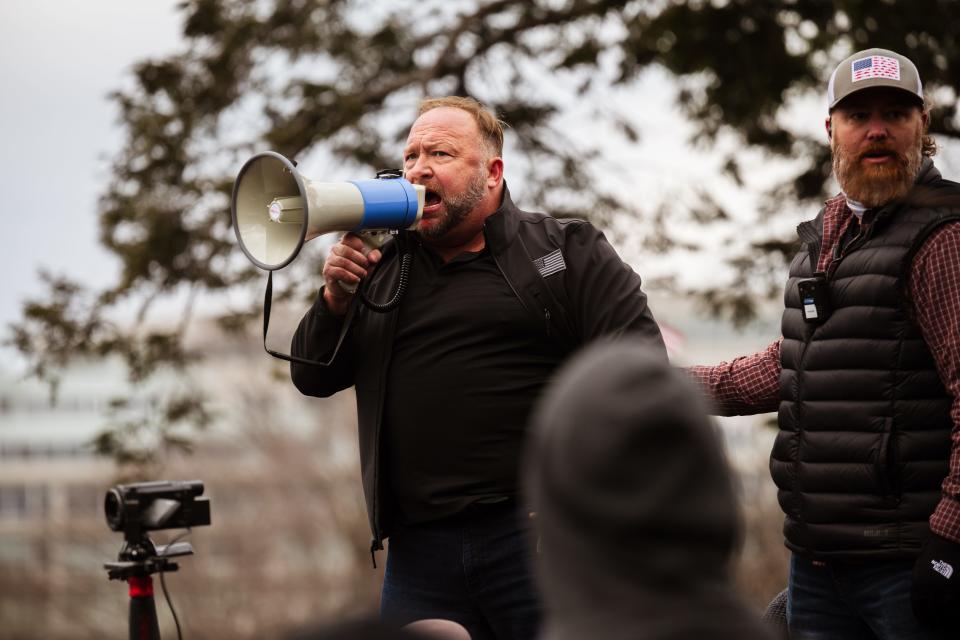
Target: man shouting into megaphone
497,299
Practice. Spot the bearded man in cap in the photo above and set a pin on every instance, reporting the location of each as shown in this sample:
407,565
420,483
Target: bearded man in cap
866,377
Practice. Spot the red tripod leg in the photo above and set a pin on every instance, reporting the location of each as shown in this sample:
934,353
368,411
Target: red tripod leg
143,610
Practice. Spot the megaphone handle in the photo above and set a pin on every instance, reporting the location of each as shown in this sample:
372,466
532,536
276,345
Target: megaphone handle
372,239
349,287
267,302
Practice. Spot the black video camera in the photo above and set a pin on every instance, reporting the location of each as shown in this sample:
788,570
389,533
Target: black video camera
150,506
136,509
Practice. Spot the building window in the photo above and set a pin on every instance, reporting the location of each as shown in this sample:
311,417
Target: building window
23,502
84,500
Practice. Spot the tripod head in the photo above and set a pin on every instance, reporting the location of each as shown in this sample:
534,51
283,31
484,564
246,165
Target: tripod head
144,558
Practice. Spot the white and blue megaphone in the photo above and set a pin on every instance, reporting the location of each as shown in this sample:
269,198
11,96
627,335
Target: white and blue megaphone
275,209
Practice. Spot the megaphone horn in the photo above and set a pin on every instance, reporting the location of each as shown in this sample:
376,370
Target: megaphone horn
275,209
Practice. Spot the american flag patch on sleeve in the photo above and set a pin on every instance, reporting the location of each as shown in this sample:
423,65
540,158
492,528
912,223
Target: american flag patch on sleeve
875,67
550,264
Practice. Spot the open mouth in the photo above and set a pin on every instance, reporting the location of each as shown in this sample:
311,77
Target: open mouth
877,155
432,200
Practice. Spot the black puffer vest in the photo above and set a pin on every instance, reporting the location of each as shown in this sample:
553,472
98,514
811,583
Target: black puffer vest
864,419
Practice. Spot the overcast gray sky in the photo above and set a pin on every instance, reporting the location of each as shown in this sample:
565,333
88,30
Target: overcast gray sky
58,130
59,60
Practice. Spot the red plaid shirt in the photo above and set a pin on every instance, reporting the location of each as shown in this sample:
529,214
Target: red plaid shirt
751,384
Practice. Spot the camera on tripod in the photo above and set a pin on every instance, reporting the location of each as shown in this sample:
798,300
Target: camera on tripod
136,509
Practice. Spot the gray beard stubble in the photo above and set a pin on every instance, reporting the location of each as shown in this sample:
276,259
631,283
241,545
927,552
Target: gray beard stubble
459,207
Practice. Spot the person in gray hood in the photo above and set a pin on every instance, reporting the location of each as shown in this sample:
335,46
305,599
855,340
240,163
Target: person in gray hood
636,510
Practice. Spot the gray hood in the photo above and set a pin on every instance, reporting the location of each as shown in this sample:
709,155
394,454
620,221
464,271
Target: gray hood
637,513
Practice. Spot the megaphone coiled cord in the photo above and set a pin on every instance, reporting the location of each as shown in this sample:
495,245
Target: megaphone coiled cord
405,260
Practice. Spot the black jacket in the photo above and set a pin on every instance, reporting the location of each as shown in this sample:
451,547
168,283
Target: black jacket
864,419
595,295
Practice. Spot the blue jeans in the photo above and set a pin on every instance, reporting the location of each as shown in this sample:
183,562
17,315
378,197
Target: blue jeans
853,601
474,568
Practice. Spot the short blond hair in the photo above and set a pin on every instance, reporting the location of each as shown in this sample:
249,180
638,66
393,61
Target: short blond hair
491,127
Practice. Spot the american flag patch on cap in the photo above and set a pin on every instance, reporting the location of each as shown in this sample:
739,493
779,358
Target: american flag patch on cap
875,67
550,264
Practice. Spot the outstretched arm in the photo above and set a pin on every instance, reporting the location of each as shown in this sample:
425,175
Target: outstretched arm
744,385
